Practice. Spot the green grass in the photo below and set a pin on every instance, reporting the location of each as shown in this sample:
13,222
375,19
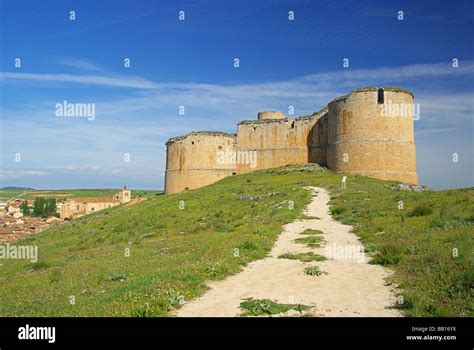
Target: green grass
390,254
310,241
307,217
265,307
174,252
421,209
304,257
314,271
310,231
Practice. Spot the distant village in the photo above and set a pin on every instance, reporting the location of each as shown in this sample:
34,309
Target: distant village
20,218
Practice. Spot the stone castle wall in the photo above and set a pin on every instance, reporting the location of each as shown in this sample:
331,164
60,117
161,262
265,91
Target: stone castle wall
318,139
192,160
275,142
351,135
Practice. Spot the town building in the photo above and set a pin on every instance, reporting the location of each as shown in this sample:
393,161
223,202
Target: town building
77,207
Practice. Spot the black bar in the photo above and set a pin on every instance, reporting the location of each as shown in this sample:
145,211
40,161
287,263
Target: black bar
121,331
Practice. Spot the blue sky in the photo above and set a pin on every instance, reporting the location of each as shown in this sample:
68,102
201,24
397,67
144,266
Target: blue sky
190,63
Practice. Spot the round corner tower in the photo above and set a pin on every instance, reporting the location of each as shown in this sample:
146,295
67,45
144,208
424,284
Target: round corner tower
371,133
198,159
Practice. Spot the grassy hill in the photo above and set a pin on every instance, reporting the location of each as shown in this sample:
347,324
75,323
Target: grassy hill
177,242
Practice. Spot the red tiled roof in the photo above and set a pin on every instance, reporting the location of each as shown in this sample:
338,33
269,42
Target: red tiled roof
6,230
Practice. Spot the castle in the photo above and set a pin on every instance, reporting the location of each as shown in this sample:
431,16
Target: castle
368,132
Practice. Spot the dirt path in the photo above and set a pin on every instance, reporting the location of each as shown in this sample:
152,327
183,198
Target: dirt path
135,201
352,287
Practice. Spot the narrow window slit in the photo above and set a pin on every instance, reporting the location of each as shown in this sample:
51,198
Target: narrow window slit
380,97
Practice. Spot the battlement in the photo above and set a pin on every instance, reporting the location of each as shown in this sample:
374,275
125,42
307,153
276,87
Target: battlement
199,133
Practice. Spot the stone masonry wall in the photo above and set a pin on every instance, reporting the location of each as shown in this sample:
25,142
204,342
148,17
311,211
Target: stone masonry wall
192,160
277,142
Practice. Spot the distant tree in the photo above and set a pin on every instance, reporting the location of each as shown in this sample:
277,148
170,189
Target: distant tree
53,206
36,208
50,207
44,207
39,206
24,208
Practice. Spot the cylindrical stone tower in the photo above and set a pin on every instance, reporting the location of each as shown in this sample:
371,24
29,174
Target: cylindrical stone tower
270,115
198,159
370,132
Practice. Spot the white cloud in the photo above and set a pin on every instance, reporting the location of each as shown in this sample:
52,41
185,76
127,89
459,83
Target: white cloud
19,173
78,63
394,74
308,93
269,89
121,82
446,110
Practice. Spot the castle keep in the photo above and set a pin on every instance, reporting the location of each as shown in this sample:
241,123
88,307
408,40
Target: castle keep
367,132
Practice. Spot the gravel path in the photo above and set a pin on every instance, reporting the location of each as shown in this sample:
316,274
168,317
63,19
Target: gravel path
351,287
